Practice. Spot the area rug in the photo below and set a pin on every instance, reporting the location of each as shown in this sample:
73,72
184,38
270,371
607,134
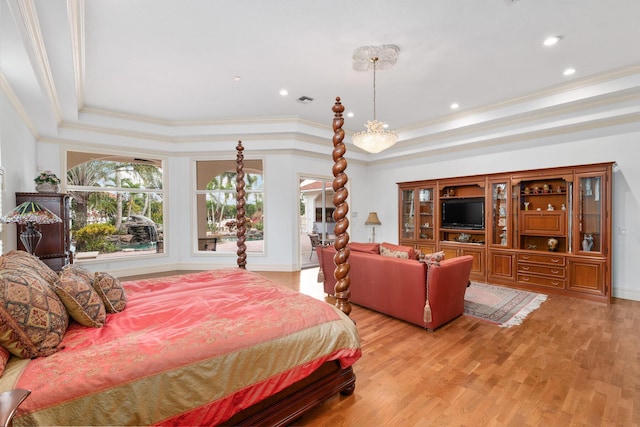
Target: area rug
500,305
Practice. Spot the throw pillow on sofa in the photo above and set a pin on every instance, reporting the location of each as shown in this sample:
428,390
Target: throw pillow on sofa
433,258
397,251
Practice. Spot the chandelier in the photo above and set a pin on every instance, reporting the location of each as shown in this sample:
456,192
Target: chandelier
376,138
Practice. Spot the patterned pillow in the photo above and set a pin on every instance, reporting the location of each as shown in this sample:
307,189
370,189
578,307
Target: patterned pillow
110,291
411,253
434,258
82,272
83,303
33,320
384,251
21,260
4,359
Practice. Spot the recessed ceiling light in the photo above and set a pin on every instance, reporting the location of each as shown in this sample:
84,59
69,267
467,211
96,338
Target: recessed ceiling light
284,92
349,114
386,126
455,106
236,78
569,71
550,41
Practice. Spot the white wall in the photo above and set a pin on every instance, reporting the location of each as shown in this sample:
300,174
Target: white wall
18,157
381,190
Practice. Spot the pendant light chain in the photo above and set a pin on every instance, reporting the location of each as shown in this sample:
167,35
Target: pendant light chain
374,60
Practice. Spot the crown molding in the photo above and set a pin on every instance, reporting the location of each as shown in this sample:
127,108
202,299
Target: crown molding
476,143
75,10
583,83
6,88
24,12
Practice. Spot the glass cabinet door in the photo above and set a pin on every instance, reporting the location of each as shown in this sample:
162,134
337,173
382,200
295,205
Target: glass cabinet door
408,215
499,211
589,213
426,218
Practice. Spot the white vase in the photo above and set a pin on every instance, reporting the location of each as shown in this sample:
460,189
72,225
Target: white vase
47,188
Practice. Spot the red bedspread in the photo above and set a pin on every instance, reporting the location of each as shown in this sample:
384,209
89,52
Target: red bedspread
190,350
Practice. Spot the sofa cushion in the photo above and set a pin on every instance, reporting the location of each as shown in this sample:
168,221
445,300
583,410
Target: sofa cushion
371,248
397,251
82,301
21,260
111,292
33,320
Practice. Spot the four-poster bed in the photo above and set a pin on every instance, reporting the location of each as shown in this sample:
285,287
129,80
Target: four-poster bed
225,346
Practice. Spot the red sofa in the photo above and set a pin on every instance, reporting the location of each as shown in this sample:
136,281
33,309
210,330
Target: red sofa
396,286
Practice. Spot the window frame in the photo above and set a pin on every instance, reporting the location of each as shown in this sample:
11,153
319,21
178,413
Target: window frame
120,156
196,192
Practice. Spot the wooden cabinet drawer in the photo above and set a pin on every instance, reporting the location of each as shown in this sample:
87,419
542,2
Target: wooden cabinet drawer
540,280
551,271
551,259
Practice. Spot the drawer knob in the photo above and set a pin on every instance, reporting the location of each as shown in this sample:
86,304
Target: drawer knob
526,279
556,260
555,271
525,267
525,257
555,283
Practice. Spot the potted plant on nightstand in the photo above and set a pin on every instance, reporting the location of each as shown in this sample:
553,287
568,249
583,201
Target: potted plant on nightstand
47,182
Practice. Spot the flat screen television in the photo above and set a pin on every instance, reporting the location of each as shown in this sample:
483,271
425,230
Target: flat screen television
463,213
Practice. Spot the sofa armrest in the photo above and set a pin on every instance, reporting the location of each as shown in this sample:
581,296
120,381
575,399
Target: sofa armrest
446,286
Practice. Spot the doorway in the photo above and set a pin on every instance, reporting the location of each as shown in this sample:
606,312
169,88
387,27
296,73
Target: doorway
316,217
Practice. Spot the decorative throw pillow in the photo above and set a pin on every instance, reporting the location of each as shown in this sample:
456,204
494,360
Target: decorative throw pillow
111,292
21,260
76,270
391,250
4,359
371,248
434,258
33,320
384,251
82,301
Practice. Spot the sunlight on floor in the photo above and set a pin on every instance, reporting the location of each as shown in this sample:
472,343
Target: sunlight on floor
309,284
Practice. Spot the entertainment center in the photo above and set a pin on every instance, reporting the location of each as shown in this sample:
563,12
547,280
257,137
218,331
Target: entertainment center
545,230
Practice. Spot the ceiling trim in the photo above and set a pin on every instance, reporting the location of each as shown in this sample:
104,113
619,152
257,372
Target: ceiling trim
475,143
75,10
577,84
6,88
573,107
24,12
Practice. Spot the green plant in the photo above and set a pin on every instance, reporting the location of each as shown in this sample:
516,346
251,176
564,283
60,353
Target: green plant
47,177
93,237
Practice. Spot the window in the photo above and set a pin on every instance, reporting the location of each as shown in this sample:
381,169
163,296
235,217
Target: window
117,205
216,205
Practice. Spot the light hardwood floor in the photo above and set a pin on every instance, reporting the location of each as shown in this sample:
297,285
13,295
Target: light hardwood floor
571,363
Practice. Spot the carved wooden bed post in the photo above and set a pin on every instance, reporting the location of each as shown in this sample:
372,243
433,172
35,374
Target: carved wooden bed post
341,258
240,212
